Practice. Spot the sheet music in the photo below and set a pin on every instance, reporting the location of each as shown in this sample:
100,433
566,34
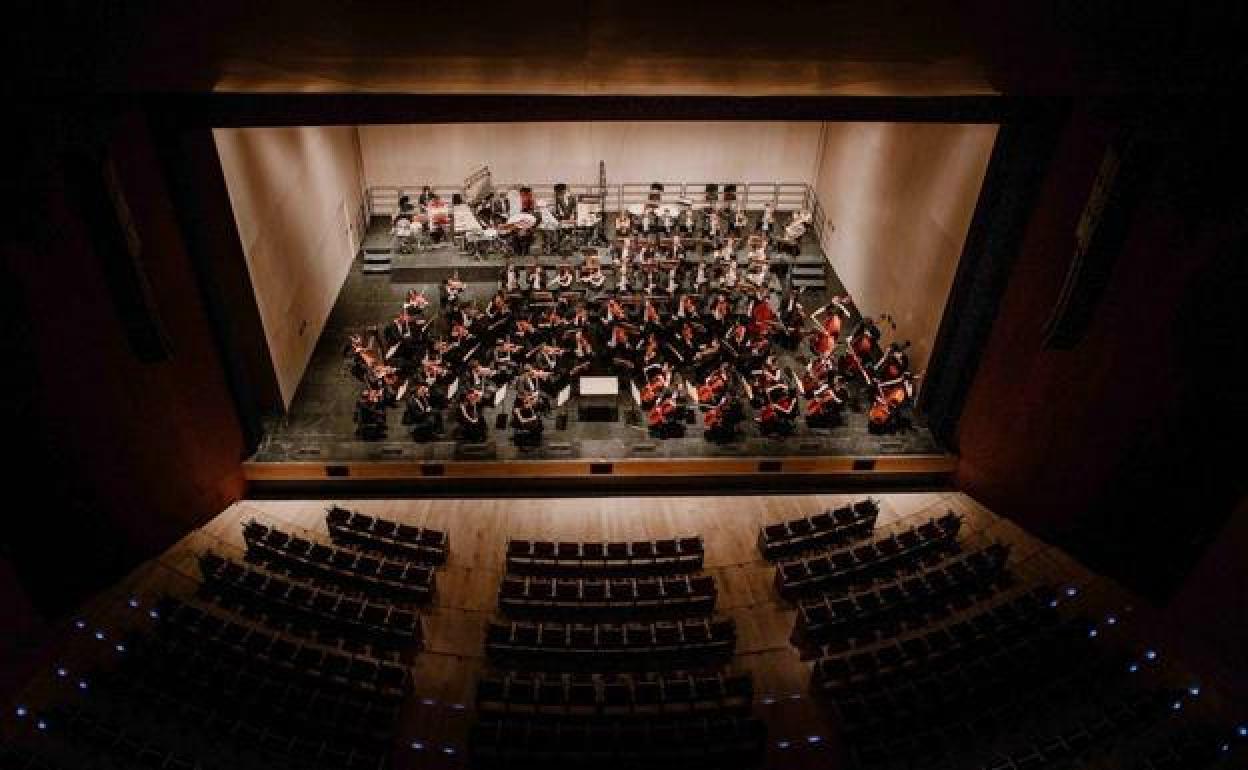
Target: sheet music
500,396
452,390
636,393
402,390
564,395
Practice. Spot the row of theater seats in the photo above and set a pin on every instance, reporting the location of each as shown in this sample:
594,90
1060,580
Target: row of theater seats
219,690
904,603
605,559
615,695
943,647
719,742
422,544
611,646
1050,678
325,610
376,576
613,598
88,740
317,665
864,563
646,692
832,527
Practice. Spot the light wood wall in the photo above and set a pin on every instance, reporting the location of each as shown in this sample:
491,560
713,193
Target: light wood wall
295,194
898,198
746,151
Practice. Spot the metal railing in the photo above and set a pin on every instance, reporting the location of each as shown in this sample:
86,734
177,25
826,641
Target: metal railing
383,200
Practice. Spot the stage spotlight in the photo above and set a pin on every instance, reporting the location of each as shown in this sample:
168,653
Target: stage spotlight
813,739
21,711
1194,690
1178,704
1225,748
62,671
134,601
783,744
41,724
457,707
1052,602
1242,731
80,624
1092,633
99,635
448,750
1151,654
418,745
153,614
120,647
427,701
82,684
1112,620
1133,667
1071,590
767,700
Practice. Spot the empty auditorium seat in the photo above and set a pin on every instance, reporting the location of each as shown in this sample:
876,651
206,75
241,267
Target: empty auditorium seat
428,546
604,559
834,527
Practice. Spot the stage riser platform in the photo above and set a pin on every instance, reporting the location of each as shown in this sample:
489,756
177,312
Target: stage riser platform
405,268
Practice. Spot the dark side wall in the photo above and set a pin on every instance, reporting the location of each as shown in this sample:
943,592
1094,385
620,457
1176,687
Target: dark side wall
116,457
1127,447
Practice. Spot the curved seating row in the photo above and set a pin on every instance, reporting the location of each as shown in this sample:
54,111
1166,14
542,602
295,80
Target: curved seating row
832,527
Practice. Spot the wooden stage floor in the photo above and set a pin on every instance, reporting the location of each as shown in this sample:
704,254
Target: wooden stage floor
317,433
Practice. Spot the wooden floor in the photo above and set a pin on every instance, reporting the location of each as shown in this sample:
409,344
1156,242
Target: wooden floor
446,671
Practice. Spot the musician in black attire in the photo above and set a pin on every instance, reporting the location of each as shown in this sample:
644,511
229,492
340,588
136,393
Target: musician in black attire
471,421
426,421
402,335
729,414
370,415
526,420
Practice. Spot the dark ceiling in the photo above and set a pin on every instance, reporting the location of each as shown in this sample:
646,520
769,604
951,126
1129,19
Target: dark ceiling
594,47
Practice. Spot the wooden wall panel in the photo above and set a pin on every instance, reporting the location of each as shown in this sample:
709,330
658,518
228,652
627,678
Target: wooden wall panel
564,151
898,198
295,194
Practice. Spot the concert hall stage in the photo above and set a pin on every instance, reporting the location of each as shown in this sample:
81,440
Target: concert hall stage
315,440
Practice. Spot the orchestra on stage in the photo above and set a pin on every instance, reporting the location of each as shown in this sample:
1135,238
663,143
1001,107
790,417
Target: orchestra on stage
668,307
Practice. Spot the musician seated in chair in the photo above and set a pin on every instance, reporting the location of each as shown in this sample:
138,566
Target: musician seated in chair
471,421
723,419
825,407
526,420
439,219
779,417
370,415
666,418
426,421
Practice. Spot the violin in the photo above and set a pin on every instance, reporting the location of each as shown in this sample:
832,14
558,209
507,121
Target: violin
714,416
661,412
713,386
